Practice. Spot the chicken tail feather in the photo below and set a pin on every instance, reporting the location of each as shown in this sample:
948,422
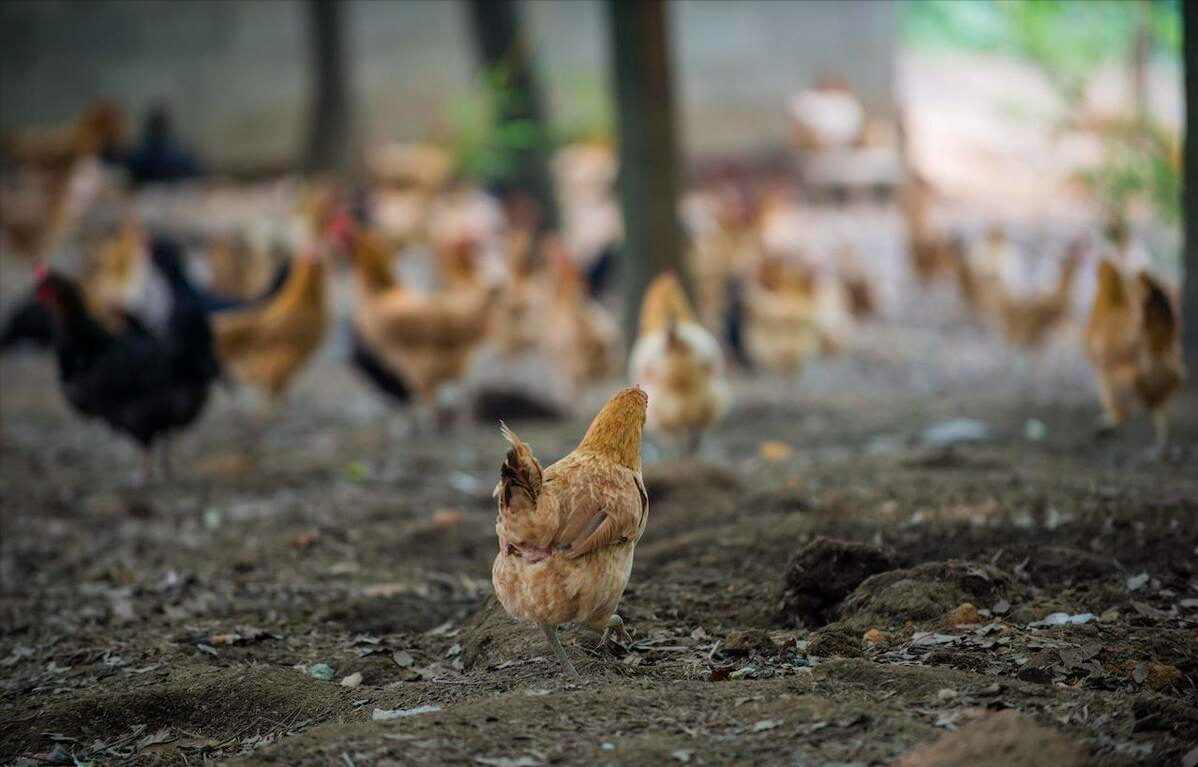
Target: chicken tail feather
519,476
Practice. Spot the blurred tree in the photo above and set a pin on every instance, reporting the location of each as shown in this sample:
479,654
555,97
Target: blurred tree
521,137
330,126
1190,192
648,148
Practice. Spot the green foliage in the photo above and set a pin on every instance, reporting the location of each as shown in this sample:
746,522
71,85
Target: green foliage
1067,41
1140,163
487,148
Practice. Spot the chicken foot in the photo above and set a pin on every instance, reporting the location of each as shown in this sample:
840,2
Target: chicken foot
560,652
615,628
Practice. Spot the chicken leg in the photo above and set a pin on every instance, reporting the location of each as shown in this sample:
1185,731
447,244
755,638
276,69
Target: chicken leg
560,652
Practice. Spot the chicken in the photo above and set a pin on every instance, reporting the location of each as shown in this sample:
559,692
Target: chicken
1029,321
1132,341
858,290
98,129
113,274
265,346
679,364
517,325
930,251
143,385
236,270
425,339
828,116
567,532
781,328
60,177
580,336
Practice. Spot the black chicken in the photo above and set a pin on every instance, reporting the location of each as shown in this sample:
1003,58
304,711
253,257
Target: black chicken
144,385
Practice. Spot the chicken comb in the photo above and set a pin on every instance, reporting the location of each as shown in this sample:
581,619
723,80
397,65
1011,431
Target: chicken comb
41,271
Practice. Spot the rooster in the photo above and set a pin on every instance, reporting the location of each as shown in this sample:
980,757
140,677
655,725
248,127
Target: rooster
567,532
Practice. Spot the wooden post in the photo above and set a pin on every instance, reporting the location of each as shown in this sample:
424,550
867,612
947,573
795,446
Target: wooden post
330,128
503,46
1189,186
648,149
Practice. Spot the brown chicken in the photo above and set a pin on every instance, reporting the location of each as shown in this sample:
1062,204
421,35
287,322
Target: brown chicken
1029,321
781,324
567,532
1133,342
579,336
35,215
517,323
930,251
265,346
680,364
428,340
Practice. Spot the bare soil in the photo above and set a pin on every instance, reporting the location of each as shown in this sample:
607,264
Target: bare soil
183,622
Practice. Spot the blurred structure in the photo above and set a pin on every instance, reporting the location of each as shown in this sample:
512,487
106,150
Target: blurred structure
245,69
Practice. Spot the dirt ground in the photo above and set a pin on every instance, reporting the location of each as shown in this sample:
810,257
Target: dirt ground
228,614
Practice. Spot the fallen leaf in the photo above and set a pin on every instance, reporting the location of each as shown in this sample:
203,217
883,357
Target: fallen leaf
448,517
774,451
765,724
963,614
681,755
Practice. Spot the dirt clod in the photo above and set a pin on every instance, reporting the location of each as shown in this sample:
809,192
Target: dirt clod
823,573
748,642
924,594
834,641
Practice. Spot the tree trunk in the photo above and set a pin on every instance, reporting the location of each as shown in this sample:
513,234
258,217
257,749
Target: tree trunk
648,149
329,145
506,56
1189,186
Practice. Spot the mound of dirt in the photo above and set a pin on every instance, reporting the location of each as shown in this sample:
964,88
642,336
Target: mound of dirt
823,573
924,595
1004,739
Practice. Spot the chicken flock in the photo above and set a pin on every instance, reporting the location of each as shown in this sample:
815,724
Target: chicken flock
175,293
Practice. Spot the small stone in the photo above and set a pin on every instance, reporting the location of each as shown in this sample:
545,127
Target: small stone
353,680
963,614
